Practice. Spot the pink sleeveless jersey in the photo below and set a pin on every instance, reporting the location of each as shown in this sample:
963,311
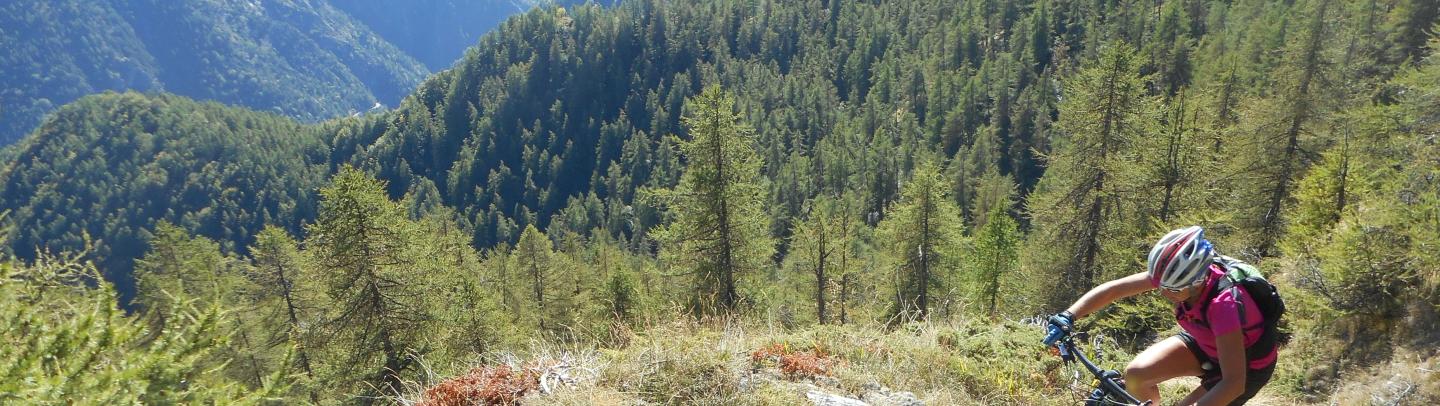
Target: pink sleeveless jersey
1224,317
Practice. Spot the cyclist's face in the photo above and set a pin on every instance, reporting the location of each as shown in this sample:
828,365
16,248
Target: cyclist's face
1178,297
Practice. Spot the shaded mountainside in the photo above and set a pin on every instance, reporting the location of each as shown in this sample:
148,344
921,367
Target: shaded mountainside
307,59
108,167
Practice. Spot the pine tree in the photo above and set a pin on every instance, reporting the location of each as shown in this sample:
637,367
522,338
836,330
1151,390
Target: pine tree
994,257
376,317
923,233
1086,209
719,234
1271,155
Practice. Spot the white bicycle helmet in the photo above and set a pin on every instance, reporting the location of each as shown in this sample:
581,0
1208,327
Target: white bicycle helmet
1180,259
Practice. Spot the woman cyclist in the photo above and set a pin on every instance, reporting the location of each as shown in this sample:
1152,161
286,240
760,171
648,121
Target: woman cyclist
1213,344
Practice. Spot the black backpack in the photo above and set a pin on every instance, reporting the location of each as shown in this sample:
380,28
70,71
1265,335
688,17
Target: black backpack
1240,275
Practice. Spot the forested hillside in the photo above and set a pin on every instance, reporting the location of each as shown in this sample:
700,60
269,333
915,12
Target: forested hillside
309,60
107,168
586,175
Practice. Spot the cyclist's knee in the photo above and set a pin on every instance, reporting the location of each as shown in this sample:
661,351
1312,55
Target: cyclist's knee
1142,370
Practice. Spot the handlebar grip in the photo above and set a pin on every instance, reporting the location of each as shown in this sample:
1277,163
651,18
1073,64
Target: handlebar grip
1052,336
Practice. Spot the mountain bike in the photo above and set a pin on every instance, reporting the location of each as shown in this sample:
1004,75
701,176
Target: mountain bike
1109,386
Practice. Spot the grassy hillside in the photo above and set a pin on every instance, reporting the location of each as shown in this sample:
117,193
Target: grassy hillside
963,362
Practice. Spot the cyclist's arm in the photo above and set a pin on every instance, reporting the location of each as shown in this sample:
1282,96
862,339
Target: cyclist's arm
1231,347
1109,292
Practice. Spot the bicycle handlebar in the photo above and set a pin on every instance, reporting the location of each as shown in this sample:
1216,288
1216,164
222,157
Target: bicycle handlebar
1108,379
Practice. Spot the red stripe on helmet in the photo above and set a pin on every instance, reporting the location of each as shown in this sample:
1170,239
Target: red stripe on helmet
1167,256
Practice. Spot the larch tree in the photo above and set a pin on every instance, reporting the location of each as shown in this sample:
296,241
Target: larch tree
376,315
534,258
283,301
1085,210
994,256
1278,140
821,249
182,268
923,233
720,232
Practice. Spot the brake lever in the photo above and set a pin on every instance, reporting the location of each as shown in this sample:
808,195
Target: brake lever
1065,353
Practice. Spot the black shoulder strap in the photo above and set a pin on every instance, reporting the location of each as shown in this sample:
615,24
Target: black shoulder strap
1268,337
1214,293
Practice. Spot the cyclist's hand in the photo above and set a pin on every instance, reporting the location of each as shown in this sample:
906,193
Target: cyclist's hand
1060,325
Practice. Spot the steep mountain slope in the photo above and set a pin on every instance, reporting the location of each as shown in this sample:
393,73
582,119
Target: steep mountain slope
55,52
567,110
304,59
108,167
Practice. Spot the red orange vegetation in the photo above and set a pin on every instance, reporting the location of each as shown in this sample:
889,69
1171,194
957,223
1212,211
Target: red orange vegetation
795,364
486,385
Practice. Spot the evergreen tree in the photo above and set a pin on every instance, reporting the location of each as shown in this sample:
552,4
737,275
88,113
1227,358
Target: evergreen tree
719,234
923,234
994,258
1086,210
376,319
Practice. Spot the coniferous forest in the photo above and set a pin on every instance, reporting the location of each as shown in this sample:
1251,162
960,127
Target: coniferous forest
741,202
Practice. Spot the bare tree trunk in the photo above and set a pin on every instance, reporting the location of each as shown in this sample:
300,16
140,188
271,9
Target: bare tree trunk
820,274
925,254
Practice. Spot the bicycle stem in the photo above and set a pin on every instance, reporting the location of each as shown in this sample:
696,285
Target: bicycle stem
1108,384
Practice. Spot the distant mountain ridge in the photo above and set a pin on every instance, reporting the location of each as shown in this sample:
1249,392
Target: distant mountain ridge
306,59
435,32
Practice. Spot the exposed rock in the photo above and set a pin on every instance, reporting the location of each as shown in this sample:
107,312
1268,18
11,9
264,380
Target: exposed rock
820,398
878,395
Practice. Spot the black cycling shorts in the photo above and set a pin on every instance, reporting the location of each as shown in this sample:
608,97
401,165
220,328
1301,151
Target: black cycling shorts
1254,378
